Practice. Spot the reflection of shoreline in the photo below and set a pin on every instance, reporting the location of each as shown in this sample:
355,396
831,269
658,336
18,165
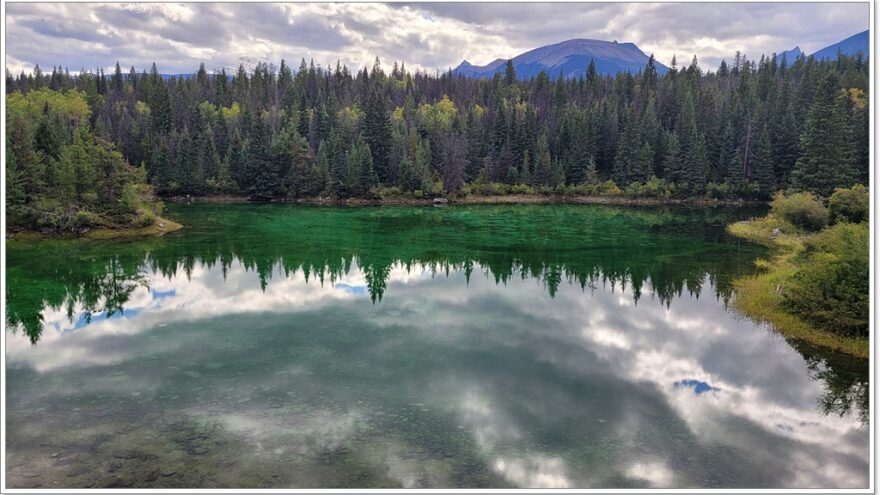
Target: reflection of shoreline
479,199
508,365
193,292
105,293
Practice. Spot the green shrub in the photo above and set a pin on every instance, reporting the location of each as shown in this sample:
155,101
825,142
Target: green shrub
386,192
609,188
686,190
653,188
803,210
522,189
144,218
718,191
433,187
849,205
85,218
831,285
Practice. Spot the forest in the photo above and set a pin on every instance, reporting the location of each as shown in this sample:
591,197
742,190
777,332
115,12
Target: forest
88,148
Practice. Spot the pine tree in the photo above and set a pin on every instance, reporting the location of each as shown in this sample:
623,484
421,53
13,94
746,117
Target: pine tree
28,162
783,134
320,176
642,163
48,137
826,159
300,180
117,79
544,167
557,176
14,184
362,159
303,121
592,175
160,110
728,161
763,175
525,169
78,174
627,146
577,172
338,179
509,74
377,132
696,162
263,180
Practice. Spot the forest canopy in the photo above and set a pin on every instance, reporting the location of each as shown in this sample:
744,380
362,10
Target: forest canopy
746,130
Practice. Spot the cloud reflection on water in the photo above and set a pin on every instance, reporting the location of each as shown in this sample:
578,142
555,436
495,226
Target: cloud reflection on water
575,390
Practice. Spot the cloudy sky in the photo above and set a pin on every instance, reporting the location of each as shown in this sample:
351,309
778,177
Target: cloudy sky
425,36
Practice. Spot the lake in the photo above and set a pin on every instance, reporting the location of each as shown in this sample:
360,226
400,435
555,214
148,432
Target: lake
468,346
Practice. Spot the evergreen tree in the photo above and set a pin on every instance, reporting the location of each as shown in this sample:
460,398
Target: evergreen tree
728,161
303,121
826,159
763,175
213,135
362,159
160,110
300,179
509,74
544,166
592,174
377,131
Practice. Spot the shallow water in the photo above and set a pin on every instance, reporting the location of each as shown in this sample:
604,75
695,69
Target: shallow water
493,346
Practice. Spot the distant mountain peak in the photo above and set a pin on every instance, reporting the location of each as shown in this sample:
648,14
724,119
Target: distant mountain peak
571,58
249,64
790,55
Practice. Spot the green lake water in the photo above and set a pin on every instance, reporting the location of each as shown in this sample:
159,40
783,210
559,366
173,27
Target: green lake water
490,346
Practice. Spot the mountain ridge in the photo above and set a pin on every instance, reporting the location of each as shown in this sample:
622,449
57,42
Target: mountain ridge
570,58
848,46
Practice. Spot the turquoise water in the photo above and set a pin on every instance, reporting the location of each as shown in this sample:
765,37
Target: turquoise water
493,346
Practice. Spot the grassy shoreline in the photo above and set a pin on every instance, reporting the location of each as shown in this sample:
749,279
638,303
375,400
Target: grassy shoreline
160,227
478,199
759,297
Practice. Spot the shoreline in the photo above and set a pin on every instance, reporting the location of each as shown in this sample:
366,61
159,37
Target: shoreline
758,297
474,200
161,227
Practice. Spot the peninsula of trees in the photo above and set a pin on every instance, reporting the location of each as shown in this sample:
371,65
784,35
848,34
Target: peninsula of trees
86,148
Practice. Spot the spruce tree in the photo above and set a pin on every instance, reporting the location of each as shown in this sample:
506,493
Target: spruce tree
377,132
825,161
544,166
592,174
509,74
763,175
728,163
300,177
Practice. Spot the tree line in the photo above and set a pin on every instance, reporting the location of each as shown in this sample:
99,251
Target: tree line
748,129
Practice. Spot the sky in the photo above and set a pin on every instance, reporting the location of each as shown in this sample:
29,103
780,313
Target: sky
425,36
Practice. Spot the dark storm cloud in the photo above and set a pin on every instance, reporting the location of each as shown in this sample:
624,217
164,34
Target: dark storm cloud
425,36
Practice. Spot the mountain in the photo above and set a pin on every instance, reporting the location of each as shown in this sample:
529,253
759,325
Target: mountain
466,69
850,46
790,55
249,64
166,77
571,57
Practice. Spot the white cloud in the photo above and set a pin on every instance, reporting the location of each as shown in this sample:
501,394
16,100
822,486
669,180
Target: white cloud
424,36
